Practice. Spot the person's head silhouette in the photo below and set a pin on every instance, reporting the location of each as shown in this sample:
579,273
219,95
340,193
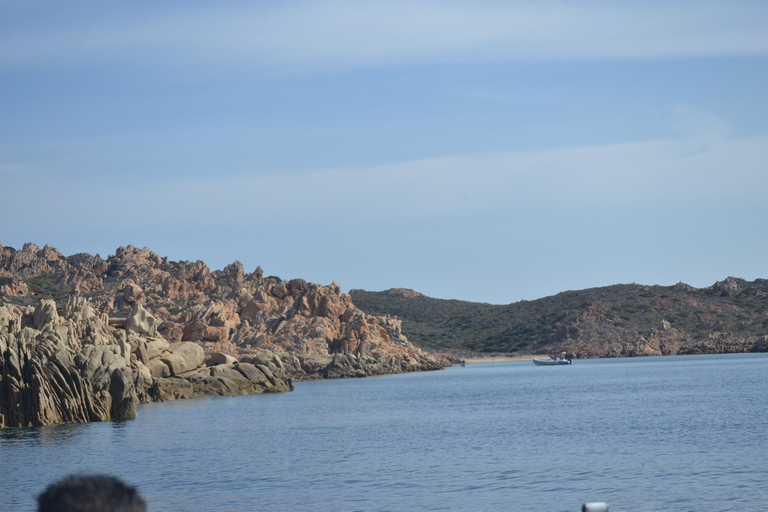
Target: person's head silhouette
90,493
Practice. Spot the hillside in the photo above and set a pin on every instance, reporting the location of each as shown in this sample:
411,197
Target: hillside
620,320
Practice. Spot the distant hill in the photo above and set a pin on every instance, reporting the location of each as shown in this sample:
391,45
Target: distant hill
612,321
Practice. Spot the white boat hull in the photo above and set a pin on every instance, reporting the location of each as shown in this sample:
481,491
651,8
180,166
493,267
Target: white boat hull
550,362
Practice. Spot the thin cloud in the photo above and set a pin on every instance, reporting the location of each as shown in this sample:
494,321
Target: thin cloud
612,176
344,34
691,121
672,172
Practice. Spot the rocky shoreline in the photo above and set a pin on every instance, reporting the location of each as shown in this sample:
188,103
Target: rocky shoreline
85,339
76,368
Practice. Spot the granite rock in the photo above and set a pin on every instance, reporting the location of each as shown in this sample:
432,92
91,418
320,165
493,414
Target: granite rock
77,367
227,311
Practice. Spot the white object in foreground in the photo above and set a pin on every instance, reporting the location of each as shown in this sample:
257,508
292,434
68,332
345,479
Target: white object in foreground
597,506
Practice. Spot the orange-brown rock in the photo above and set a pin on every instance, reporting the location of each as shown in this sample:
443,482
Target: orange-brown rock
308,326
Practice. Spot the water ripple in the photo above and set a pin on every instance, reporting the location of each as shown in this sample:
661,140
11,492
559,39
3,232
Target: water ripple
680,434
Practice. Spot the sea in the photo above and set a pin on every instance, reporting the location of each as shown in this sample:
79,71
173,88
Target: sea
683,433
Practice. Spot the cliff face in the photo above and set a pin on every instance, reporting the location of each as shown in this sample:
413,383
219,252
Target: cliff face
77,368
47,375
316,331
613,321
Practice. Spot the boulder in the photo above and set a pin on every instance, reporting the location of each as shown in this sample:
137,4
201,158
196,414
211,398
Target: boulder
223,380
158,368
156,346
264,357
132,293
190,353
141,321
216,358
45,313
171,388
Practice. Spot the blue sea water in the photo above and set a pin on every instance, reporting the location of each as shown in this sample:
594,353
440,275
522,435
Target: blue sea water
649,434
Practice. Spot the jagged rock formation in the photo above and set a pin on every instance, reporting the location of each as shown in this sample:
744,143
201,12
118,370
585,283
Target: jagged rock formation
613,321
316,331
77,368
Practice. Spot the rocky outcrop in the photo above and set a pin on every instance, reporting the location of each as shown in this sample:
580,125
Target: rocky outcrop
226,378
78,368
55,369
315,330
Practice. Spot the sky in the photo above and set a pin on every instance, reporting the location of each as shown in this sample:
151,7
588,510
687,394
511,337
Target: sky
478,150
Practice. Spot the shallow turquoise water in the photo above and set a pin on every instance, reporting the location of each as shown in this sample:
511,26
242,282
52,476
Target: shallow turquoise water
672,433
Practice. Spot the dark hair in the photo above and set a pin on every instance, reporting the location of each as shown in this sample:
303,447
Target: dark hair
90,493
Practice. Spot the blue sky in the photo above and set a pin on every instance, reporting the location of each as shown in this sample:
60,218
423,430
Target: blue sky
486,151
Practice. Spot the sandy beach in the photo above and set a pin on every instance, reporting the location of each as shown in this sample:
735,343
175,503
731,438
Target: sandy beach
499,359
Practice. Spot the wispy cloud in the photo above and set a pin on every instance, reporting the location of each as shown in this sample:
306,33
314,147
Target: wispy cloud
674,171
613,176
341,33
692,121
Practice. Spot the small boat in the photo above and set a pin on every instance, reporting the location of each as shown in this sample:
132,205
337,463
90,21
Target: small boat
552,361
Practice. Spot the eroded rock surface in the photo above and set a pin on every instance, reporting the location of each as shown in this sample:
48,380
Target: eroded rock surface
77,368
315,330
